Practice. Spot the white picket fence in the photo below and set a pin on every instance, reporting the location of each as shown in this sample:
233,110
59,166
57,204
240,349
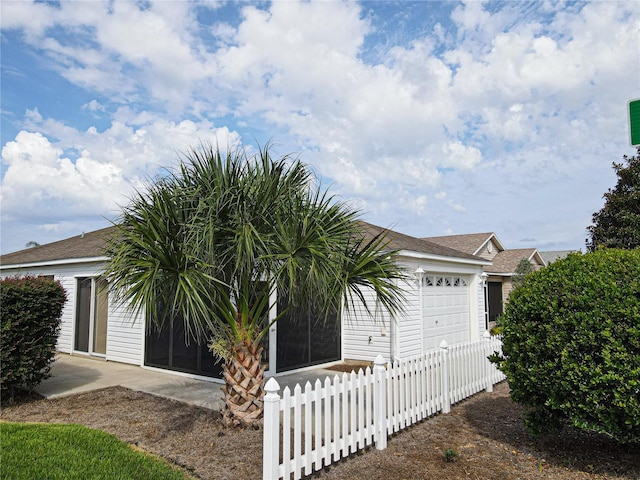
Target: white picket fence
305,430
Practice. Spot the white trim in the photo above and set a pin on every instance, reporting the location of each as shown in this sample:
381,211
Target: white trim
92,318
442,258
421,307
272,334
143,340
47,263
491,237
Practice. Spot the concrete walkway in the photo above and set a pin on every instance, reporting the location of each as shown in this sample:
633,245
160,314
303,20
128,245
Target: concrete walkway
72,374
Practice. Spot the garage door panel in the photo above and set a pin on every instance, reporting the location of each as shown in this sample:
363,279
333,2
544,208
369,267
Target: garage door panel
445,309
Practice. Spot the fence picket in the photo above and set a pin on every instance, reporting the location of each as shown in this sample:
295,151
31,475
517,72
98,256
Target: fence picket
365,407
352,404
317,425
360,434
328,414
334,452
396,397
286,427
308,459
344,441
297,431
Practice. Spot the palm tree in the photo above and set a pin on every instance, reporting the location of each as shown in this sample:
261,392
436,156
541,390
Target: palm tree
215,243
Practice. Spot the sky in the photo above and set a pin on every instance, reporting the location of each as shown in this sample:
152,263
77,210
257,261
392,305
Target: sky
431,118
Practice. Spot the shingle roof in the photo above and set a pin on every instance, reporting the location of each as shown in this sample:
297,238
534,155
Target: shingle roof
86,245
553,255
507,260
400,241
469,243
92,244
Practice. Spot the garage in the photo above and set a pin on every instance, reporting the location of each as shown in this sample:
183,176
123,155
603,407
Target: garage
443,300
445,309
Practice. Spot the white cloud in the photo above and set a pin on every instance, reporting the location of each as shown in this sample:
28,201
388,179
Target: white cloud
448,129
93,106
461,156
32,18
41,181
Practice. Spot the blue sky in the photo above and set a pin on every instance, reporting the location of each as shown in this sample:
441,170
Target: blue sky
432,118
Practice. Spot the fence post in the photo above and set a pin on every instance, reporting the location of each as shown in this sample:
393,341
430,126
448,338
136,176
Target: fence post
380,403
446,396
271,434
488,366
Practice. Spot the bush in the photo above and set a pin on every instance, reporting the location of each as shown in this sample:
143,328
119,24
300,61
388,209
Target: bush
572,344
30,308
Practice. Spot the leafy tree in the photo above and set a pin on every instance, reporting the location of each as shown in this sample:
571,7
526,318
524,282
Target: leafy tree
215,243
571,344
523,269
617,224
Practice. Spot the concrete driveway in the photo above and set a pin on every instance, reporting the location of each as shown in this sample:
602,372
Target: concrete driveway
72,374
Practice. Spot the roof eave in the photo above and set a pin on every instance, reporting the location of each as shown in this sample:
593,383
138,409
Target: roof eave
493,236
49,263
442,258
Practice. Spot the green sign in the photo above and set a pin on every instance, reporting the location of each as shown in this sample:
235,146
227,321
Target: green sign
634,121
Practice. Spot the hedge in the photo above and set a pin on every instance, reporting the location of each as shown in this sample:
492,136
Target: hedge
571,344
31,309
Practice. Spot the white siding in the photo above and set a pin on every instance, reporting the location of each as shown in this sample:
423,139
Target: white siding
364,336
125,335
409,332
454,314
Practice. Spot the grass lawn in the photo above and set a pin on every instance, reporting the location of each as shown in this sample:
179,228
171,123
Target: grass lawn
62,451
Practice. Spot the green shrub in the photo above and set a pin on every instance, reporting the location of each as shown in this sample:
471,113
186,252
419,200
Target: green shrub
572,344
30,308
450,455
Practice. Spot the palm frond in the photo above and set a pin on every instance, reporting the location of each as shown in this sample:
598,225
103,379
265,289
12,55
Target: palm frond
209,243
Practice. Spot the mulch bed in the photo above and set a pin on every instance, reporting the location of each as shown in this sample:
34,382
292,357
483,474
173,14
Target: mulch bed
486,432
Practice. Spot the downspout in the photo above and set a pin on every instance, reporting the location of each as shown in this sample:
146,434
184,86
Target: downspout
419,273
484,277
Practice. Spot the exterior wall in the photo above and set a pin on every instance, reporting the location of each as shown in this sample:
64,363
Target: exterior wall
410,329
125,335
536,265
415,330
488,251
507,286
478,312
364,337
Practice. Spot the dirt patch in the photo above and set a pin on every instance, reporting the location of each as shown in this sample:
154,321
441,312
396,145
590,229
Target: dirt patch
351,367
485,431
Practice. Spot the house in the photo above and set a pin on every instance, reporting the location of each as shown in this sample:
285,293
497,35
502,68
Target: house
444,301
503,266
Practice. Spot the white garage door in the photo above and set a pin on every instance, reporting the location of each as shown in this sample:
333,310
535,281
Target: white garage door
445,309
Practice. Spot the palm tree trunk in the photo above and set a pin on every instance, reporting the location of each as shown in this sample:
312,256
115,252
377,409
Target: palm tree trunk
244,386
